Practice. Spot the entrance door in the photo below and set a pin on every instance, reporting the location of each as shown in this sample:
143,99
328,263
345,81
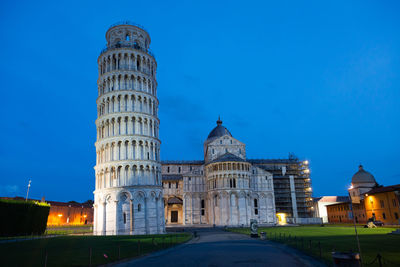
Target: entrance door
174,216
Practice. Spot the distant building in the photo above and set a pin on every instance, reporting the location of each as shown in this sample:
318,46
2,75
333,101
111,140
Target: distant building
227,188
382,203
320,205
369,200
70,213
341,213
66,213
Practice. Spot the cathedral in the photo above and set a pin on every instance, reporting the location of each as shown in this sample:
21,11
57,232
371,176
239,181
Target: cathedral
137,193
227,189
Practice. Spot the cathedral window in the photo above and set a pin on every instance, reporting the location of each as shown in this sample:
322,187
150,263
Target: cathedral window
139,207
202,207
230,183
179,169
213,151
226,150
255,206
124,218
169,184
234,183
176,185
168,169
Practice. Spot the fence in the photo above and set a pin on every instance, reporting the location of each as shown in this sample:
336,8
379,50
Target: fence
84,250
320,250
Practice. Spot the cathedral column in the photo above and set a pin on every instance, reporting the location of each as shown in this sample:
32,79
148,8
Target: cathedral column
116,217
104,229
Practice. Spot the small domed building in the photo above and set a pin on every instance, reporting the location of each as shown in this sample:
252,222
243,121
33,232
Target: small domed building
361,182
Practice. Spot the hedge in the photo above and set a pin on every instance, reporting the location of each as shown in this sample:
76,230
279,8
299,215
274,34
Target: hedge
23,218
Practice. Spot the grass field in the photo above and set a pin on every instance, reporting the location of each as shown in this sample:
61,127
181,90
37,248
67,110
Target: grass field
337,238
67,230
76,250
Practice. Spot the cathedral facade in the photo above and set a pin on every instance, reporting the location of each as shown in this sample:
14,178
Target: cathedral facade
227,189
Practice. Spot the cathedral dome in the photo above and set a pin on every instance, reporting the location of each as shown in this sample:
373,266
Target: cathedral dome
362,176
218,131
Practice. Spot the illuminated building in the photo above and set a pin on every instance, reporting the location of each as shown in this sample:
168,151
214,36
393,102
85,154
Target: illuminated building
227,188
128,193
382,203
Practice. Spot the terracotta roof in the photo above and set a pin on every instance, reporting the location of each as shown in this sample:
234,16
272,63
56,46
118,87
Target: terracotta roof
383,189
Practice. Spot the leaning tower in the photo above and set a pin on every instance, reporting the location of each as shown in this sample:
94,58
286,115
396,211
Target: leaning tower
128,194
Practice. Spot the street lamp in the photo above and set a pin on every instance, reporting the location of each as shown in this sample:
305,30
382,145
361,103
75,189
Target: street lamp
27,191
354,221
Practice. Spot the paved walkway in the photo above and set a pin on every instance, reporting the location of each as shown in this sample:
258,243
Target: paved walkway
215,247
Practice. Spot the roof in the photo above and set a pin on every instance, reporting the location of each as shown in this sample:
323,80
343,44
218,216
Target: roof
172,177
175,200
227,157
183,162
218,131
332,199
271,161
362,176
384,189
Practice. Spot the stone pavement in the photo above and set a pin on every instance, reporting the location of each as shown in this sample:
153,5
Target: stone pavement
215,247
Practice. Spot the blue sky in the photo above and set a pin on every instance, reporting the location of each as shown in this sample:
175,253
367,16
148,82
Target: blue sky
319,79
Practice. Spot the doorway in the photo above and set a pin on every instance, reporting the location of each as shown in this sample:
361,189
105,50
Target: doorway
174,216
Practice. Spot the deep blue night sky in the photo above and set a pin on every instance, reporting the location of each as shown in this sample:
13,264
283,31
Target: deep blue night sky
321,80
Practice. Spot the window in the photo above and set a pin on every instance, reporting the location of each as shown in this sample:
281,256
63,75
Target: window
234,183
127,38
230,183
255,206
124,218
203,207
396,215
382,203
226,150
220,141
179,169
216,201
231,142
240,151
213,150
168,169
384,216
394,202
176,185
139,207
190,168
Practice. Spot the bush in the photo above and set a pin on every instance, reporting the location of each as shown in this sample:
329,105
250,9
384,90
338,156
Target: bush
23,218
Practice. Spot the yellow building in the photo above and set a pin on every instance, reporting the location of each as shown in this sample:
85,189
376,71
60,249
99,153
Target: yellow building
383,204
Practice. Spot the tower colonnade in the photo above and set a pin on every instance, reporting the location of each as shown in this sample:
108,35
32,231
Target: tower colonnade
128,194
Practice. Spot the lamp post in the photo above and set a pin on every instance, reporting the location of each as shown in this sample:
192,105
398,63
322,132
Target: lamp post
354,222
27,191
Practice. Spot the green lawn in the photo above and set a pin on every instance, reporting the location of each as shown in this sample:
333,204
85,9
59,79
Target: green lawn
75,250
337,238
67,230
